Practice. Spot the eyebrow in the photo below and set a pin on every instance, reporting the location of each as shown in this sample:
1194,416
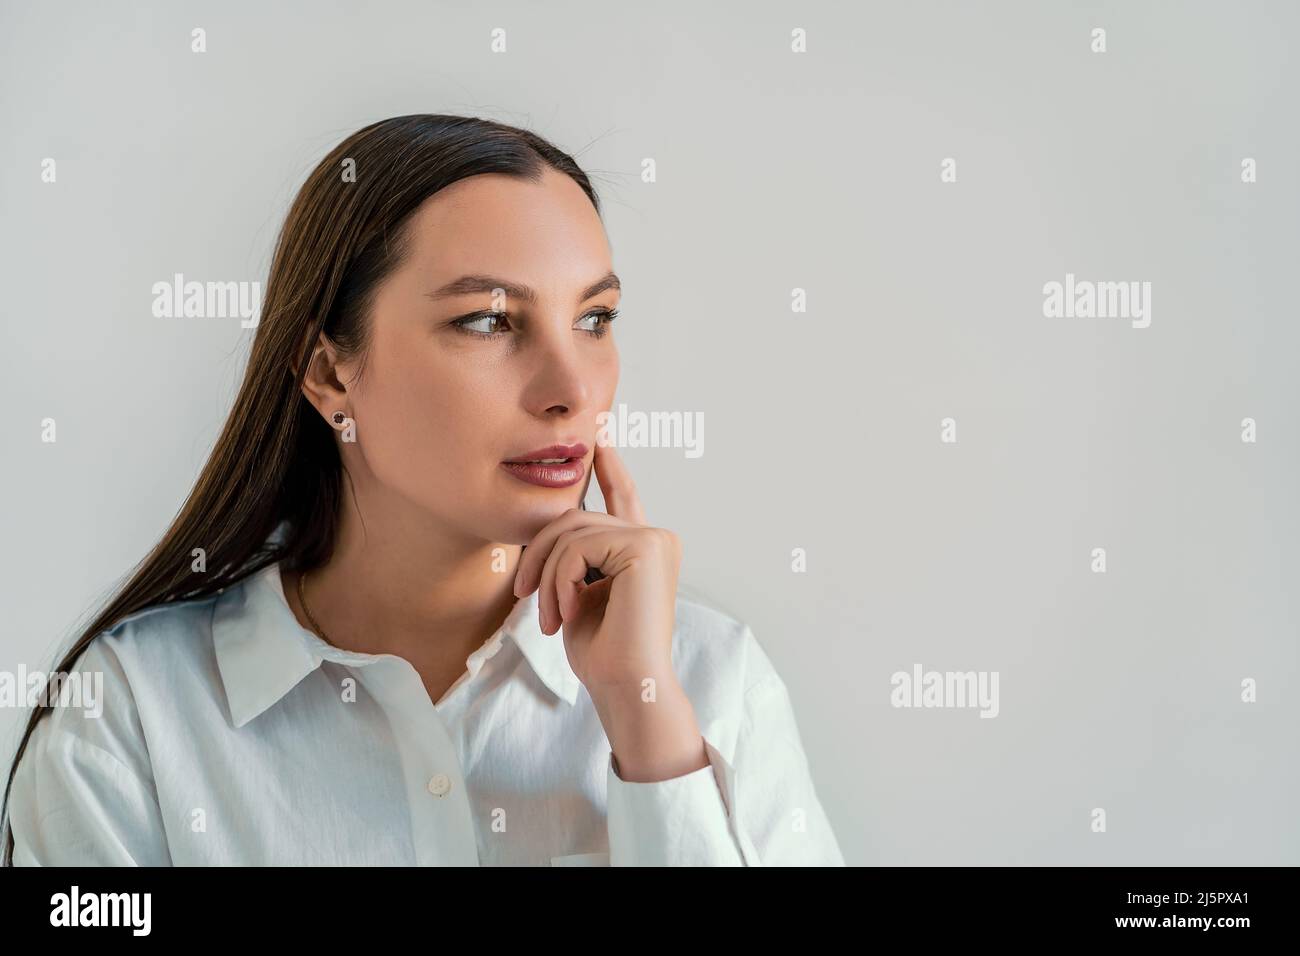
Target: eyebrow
470,284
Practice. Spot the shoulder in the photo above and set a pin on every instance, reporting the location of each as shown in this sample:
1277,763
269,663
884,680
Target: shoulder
93,705
157,645
83,790
716,653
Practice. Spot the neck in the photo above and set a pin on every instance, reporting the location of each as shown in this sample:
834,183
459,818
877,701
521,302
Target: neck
401,585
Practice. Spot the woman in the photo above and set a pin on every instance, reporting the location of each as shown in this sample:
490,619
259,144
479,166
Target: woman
313,670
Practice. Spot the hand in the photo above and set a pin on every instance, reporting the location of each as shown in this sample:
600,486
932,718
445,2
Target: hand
618,630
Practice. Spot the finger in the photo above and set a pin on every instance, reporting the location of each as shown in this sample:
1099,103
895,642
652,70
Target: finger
571,562
548,602
616,485
538,550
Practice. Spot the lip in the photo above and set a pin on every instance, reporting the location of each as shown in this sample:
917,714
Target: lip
553,474
576,450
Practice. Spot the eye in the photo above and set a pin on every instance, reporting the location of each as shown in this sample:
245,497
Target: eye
602,318
464,324
490,323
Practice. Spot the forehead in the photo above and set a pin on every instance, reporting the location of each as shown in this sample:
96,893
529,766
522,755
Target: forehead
545,234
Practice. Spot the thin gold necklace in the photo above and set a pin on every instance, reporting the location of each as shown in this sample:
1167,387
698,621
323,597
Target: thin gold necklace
302,597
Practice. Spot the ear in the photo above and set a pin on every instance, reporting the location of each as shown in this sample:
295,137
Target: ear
323,386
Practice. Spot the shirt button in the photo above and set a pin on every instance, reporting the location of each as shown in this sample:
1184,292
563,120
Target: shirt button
439,784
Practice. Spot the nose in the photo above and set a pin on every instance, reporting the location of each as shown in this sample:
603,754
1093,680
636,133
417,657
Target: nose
560,383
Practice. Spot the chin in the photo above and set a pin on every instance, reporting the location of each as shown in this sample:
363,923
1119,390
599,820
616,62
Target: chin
520,522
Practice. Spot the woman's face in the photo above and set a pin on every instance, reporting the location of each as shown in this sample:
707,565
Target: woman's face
439,407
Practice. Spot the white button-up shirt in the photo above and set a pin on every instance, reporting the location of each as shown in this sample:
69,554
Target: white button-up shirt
231,735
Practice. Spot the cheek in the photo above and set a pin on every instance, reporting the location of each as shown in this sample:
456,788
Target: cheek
606,380
431,414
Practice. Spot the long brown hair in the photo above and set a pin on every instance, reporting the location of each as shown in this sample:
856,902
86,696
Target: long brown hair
276,459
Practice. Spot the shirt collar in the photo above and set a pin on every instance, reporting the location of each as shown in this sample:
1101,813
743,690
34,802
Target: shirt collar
263,652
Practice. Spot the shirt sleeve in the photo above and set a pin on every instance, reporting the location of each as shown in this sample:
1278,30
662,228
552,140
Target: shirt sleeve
682,821
761,808
74,803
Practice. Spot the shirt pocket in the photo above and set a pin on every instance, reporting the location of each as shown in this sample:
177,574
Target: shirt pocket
581,859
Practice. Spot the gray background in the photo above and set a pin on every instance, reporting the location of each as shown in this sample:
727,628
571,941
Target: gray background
775,171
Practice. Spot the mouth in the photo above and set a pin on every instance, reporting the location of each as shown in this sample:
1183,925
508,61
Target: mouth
555,466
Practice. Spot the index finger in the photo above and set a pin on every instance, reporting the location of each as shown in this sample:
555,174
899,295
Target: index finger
616,485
